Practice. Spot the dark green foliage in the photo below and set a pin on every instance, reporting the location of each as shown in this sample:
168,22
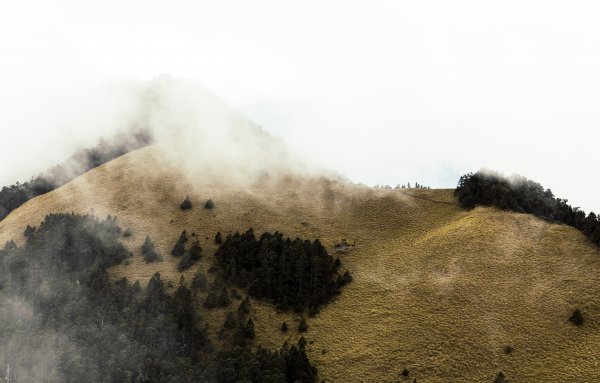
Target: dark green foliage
405,373
179,248
199,281
576,318
193,255
292,273
186,204
500,378
248,329
114,330
230,321
302,326
149,251
522,195
211,299
508,350
28,231
218,238
244,307
284,327
289,364
223,298
118,332
209,204
11,197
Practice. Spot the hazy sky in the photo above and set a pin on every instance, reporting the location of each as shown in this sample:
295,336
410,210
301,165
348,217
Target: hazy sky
382,91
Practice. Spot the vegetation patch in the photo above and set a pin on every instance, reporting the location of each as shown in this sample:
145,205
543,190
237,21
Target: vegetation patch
115,332
292,273
522,195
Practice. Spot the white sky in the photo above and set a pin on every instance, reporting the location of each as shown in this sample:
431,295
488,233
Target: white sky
382,91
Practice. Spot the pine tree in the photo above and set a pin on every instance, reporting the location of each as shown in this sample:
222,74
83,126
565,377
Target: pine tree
218,238
179,247
149,251
186,204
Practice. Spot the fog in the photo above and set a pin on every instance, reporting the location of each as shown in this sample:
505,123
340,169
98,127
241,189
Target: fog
383,92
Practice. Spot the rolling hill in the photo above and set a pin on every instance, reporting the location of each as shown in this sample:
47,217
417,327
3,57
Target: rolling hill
436,289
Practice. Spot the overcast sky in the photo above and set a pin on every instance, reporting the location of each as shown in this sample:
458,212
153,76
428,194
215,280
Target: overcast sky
383,91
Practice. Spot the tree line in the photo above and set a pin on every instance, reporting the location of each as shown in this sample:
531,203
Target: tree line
13,196
520,194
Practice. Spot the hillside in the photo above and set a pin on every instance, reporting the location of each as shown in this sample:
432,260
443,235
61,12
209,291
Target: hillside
436,289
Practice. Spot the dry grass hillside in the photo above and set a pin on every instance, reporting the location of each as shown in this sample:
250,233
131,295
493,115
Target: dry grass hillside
436,289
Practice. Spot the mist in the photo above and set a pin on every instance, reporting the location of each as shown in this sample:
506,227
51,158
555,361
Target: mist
388,93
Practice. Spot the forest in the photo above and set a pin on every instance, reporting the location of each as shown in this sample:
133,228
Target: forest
292,273
13,196
522,195
64,320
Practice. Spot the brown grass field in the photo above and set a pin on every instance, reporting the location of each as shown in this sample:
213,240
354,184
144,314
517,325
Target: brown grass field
437,289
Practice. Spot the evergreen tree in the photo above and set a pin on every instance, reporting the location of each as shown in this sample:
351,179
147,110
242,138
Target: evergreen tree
149,251
179,248
209,204
218,238
186,204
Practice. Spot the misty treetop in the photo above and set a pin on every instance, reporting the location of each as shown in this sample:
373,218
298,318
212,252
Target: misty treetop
11,197
292,273
526,196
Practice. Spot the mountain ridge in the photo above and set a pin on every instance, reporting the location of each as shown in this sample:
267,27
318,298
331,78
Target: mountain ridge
436,289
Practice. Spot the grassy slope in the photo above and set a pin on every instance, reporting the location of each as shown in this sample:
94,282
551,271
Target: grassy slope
436,289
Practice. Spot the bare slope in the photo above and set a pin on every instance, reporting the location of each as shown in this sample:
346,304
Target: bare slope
438,290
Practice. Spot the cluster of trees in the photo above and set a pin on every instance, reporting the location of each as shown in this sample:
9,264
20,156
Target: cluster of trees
95,330
293,273
190,257
11,197
520,194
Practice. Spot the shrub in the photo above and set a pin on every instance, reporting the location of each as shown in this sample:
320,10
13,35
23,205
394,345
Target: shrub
284,327
500,378
218,238
127,233
576,318
209,204
186,204
405,373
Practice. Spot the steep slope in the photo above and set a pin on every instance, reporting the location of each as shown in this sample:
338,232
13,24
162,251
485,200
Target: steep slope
436,289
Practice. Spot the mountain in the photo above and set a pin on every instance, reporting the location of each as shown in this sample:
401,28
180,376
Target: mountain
447,293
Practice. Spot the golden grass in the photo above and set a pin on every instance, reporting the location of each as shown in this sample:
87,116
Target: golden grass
436,289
